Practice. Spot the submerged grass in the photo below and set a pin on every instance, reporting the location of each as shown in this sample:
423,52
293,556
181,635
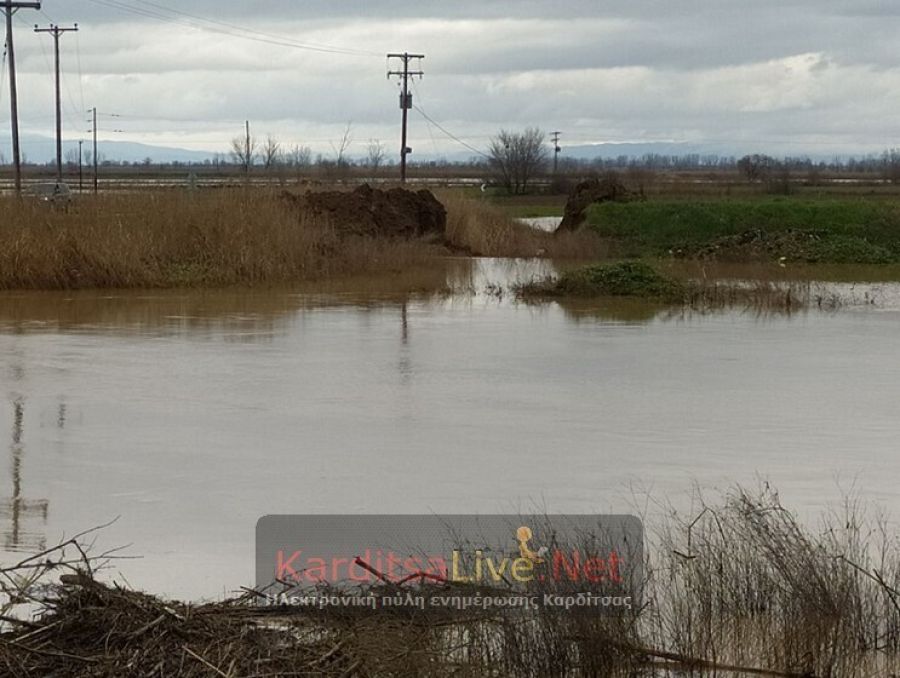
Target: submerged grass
799,229
640,280
737,586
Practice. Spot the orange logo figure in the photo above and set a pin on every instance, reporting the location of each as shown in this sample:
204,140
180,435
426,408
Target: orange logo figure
523,536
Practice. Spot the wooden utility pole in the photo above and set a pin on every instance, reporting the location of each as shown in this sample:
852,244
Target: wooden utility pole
247,147
556,150
80,171
9,8
96,177
57,31
405,102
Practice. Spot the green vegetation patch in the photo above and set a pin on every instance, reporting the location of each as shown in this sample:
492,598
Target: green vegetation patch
832,231
623,279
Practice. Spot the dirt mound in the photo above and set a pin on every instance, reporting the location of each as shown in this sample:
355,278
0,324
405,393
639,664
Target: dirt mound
394,213
588,192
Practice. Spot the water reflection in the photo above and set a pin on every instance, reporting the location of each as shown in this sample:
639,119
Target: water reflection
241,315
21,534
393,396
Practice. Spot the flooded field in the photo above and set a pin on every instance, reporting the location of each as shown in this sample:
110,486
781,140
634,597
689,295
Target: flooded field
190,415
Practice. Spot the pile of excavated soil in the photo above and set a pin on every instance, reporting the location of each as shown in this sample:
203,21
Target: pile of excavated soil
588,192
367,211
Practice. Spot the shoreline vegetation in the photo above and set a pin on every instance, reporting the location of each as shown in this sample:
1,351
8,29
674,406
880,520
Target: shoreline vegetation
258,237
174,239
640,280
733,586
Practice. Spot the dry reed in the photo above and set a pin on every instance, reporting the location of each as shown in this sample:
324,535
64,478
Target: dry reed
178,238
183,239
482,229
739,586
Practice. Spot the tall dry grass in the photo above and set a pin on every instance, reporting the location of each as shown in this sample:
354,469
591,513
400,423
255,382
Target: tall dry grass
235,237
178,238
743,582
482,229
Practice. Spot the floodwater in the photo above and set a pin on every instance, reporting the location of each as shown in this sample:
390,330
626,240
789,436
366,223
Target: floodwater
188,415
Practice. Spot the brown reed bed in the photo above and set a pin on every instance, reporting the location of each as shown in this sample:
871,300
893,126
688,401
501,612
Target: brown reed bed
482,229
183,239
236,237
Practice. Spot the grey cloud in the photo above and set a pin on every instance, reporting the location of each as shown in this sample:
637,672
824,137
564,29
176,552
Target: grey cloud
611,70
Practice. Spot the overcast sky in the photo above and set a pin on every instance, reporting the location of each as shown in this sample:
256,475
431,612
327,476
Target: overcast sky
779,75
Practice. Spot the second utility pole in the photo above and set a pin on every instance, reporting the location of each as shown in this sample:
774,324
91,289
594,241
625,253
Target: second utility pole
94,130
10,7
556,150
56,31
405,102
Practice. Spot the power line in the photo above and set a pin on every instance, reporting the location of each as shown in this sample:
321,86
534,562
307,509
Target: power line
450,134
80,72
245,34
252,31
427,123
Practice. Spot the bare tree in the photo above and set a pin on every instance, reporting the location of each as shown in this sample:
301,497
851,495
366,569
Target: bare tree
375,154
243,153
517,158
299,156
757,167
891,165
340,150
71,157
271,152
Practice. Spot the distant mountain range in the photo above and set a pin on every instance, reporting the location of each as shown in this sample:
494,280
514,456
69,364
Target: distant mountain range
42,149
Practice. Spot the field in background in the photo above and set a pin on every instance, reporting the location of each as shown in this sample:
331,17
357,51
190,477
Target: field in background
826,229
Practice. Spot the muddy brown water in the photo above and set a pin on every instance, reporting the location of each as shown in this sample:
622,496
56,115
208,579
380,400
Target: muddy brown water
191,414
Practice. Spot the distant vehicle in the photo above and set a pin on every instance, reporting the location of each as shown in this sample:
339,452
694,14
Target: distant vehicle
55,193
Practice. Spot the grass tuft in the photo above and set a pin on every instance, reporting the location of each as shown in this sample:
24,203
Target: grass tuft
640,280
